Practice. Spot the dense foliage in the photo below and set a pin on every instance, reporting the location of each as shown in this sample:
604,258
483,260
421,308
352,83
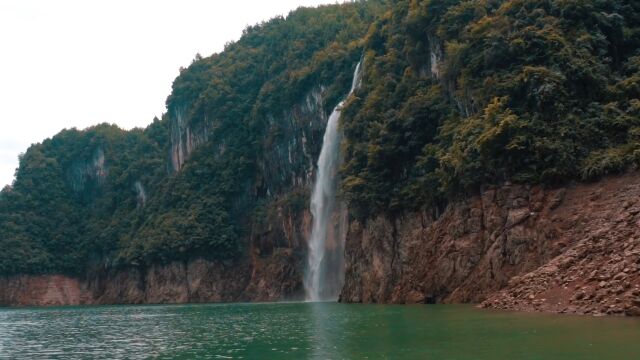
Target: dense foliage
66,204
68,209
455,94
520,90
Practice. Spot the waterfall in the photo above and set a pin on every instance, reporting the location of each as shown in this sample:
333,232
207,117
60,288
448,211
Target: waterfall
141,194
325,267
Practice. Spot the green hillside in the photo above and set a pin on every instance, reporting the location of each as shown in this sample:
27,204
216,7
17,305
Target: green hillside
455,95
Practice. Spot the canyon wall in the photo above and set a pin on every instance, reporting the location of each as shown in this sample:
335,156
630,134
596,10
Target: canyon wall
274,248
573,249
570,250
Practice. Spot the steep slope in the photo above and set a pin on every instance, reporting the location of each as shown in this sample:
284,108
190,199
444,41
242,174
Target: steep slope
460,94
208,203
573,249
460,97
468,151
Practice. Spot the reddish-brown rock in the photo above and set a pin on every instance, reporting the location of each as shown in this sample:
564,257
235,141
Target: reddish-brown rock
42,291
569,250
575,249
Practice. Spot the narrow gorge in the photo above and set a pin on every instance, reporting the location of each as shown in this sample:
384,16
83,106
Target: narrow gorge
480,152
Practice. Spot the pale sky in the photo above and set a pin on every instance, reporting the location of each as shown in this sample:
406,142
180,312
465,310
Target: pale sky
77,63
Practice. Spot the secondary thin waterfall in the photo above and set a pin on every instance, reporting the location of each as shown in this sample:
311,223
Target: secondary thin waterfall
325,268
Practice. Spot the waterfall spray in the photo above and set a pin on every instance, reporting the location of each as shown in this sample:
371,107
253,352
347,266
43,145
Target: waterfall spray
325,268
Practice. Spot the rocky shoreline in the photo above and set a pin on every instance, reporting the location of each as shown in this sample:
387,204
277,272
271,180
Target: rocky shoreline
599,276
599,272
569,250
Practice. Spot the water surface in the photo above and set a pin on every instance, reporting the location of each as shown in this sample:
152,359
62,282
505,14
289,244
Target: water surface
310,331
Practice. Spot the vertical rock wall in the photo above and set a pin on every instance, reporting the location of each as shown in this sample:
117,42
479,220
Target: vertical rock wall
574,249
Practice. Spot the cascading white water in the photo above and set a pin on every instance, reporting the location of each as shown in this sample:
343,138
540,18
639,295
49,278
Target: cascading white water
325,268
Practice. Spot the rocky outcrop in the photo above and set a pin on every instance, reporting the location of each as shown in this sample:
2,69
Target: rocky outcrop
199,281
599,272
47,290
572,249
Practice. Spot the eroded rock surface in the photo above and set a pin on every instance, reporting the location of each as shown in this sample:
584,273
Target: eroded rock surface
568,250
599,270
573,249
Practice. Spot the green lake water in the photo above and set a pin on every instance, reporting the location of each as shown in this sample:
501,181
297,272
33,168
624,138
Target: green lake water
310,331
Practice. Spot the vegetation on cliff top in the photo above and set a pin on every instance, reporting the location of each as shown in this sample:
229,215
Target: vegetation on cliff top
456,94
524,91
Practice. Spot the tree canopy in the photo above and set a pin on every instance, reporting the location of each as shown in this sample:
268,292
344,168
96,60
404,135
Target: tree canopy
458,94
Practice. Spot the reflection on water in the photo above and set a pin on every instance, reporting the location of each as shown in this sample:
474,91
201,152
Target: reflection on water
310,331
328,328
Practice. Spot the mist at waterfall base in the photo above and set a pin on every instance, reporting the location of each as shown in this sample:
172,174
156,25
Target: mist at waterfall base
325,268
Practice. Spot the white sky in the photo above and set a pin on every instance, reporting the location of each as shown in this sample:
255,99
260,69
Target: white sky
77,63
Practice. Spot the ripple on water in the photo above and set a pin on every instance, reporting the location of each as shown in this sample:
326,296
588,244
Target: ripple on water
300,331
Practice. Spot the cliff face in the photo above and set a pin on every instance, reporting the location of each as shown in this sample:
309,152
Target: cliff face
46,290
573,249
197,281
271,272
426,123
274,248
569,250
470,250
184,138
294,144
